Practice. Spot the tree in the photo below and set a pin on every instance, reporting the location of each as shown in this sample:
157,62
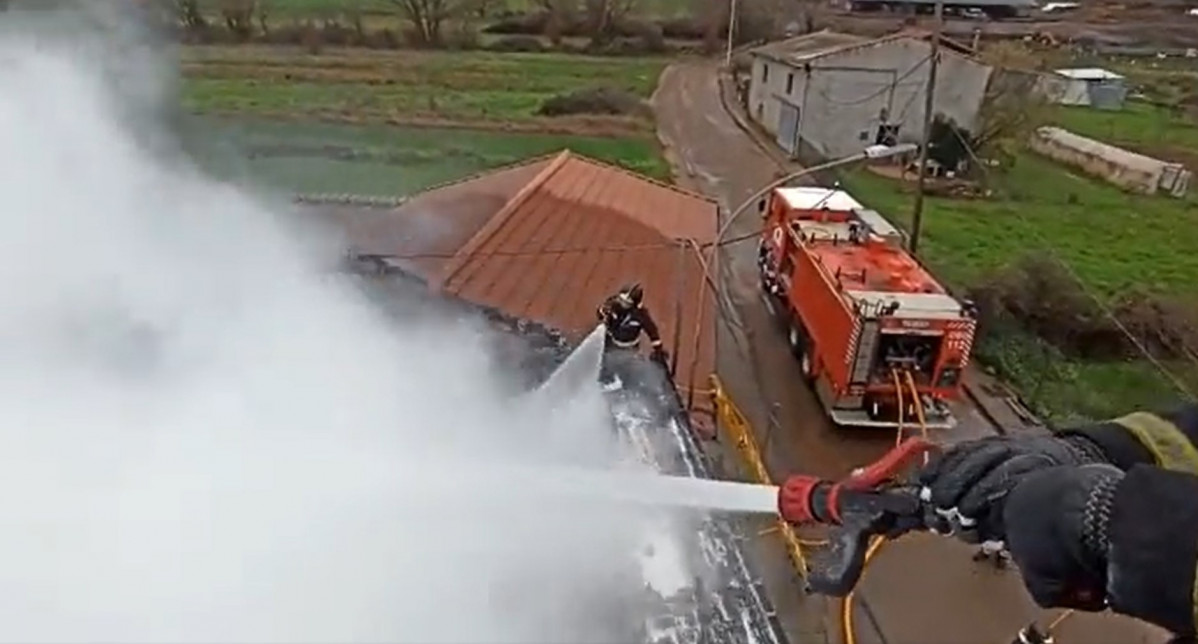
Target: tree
1015,102
239,17
558,16
428,17
714,18
189,14
604,18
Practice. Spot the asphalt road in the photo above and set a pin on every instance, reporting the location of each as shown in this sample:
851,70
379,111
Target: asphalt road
921,590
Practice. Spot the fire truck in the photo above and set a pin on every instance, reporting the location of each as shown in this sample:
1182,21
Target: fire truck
874,333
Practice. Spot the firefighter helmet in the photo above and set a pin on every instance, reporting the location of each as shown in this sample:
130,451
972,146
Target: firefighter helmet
631,295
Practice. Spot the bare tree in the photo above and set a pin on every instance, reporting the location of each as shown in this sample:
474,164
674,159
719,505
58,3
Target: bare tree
428,17
189,14
264,7
604,17
713,16
558,15
1015,103
239,17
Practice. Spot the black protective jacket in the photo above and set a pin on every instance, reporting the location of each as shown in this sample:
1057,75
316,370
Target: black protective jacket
624,325
1153,529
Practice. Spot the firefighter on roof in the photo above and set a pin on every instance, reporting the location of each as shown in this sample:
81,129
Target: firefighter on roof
1099,516
625,317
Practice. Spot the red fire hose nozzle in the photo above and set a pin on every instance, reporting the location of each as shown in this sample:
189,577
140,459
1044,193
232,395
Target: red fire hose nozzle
864,505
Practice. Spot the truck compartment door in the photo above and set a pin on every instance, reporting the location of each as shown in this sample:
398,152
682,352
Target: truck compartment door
867,346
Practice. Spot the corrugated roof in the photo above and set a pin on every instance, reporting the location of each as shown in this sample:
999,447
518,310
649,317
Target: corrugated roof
803,49
550,239
1088,73
807,45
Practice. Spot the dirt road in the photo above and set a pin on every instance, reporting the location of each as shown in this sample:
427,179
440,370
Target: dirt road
921,589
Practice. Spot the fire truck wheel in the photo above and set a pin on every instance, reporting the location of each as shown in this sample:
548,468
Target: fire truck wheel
800,346
806,365
794,338
770,305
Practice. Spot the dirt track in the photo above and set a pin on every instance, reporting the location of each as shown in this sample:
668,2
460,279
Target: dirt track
921,590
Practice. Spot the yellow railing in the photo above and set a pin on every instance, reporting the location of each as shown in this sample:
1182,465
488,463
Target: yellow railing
734,422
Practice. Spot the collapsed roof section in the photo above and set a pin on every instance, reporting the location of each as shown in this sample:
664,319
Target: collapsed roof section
720,600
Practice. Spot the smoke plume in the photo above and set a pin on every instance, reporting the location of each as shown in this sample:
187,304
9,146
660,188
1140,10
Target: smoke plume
205,436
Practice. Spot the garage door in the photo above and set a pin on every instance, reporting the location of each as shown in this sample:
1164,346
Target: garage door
788,128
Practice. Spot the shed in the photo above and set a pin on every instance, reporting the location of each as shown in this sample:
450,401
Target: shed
1091,86
831,94
547,240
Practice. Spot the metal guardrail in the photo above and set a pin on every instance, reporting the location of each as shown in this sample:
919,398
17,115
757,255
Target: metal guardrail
737,426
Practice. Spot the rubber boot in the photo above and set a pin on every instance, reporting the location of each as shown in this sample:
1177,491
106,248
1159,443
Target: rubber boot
1030,634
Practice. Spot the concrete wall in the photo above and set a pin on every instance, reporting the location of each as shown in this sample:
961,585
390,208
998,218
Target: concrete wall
766,96
1075,91
841,96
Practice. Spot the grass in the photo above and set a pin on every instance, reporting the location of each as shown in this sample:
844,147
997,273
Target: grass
1139,125
327,123
384,86
309,157
322,8
1113,240
1067,391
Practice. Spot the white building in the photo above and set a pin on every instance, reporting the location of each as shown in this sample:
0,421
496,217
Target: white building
837,93
1089,86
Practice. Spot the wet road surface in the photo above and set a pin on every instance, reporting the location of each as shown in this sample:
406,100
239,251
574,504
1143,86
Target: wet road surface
922,589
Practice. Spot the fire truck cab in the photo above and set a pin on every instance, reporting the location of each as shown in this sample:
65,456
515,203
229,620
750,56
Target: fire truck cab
869,325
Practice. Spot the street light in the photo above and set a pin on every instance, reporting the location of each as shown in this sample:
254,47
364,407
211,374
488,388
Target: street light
871,152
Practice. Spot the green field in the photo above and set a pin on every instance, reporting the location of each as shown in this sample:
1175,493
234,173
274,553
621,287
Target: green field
345,120
384,160
365,86
1113,241
323,8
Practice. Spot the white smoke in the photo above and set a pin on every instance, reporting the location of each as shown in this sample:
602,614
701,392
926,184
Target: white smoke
203,435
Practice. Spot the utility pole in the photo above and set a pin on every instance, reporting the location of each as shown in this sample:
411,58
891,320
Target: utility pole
928,107
731,31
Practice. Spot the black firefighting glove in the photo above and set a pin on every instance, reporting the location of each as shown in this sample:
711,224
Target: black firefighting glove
968,484
1056,524
659,355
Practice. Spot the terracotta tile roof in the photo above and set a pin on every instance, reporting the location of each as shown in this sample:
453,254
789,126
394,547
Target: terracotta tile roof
426,231
549,239
578,231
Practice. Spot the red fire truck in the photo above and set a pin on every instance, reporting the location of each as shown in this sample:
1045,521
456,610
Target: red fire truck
866,321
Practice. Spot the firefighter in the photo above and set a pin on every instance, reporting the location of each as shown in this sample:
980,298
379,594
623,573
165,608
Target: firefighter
625,317
1104,515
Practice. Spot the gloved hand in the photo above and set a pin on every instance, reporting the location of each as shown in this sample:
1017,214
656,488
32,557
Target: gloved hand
659,355
1056,522
968,484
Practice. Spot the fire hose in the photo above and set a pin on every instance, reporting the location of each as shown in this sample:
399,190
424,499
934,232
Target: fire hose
867,509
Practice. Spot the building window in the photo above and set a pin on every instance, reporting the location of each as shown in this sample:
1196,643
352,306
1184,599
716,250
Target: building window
790,82
765,72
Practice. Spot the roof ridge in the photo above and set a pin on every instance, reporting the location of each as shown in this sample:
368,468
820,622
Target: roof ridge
484,173
954,46
661,184
497,220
